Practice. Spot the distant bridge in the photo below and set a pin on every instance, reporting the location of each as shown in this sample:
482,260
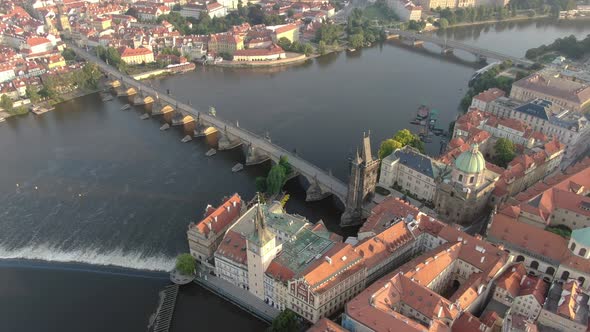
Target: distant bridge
259,149
447,46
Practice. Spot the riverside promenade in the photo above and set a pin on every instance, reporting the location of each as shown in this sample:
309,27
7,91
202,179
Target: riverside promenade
237,296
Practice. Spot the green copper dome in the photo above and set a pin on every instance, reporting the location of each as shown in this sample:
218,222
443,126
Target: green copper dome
582,236
471,161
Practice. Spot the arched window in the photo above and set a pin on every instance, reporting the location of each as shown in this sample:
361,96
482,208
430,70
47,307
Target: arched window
582,252
565,275
460,177
520,258
573,247
581,280
471,179
550,270
535,265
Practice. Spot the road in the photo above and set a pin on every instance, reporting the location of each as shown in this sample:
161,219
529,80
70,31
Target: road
327,181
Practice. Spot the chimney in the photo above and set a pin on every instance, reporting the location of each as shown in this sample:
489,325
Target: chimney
329,260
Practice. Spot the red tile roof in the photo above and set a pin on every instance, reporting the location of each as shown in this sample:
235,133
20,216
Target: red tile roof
218,219
233,247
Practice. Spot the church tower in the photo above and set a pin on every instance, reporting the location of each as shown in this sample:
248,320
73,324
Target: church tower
361,183
262,249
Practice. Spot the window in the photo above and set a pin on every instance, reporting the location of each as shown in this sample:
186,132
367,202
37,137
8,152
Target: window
460,177
471,179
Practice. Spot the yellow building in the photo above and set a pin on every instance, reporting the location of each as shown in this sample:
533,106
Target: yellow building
225,43
56,61
134,56
289,31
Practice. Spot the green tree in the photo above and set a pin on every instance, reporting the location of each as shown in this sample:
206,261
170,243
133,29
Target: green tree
286,321
505,151
356,41
307,49
33,94
443,23
388,146
185,264
68,54
322,47
176,7
284,43
261,184
275,179
6,103
284,162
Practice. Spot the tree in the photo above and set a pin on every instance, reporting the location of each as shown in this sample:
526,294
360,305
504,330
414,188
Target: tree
285,200
284,162
505,151
68,54
176,7
6,103
307,49
185,264
33,94
284,43
400,139
286,321
322,47
260,184
443,23
275,179
388,146
356,41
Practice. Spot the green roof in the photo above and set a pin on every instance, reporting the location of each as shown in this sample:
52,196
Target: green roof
471,161
582,236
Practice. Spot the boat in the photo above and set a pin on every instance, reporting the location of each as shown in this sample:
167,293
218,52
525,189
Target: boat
211,152
38,110
218,59
106,97
125,107
237,167
186,138
423,112
2,119
350,49
144,116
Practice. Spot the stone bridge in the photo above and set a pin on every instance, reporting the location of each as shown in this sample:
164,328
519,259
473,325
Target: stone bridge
259,149
447,46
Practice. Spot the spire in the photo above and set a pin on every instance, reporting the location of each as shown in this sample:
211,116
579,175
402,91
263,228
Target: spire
259,217
357,158
366,151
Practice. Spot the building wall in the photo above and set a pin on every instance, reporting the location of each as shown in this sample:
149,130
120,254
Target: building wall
559,322
570,219
520,93
236,274
422,186
138,59
526,306
269,57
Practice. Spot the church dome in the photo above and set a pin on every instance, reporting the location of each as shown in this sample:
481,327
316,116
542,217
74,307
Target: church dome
471,161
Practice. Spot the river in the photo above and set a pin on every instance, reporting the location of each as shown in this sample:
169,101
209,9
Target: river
94,186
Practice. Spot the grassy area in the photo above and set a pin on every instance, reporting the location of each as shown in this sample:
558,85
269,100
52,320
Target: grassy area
560,230
21,110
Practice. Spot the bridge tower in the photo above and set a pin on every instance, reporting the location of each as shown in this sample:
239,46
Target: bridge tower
361,183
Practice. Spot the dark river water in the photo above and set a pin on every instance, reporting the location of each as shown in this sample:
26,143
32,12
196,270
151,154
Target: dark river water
87,185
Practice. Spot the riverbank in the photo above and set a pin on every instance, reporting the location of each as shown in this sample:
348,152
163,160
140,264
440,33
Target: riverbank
294,59
509,19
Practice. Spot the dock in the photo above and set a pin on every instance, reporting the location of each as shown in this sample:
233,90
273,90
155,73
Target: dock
165,311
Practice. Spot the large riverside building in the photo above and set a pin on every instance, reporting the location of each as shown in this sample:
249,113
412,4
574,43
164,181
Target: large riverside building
566,93
413,171
204,237
452,263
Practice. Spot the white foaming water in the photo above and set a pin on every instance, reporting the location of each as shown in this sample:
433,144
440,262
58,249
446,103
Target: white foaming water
131,260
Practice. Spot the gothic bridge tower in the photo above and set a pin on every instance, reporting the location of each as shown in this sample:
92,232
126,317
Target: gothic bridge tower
361,183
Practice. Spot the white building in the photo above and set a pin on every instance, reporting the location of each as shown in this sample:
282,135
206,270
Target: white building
406,10
411,171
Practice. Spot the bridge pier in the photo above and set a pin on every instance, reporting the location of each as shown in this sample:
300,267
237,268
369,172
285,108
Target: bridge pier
254,156
446,50
226,141
201,129
123,91
481,58
161,108
141,100
179,119
315,191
